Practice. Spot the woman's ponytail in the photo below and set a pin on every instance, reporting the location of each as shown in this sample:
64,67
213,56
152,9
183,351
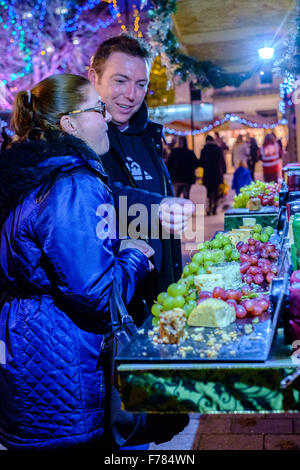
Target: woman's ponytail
22,116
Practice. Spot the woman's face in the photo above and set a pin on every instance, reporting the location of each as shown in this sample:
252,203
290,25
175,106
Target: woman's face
91,126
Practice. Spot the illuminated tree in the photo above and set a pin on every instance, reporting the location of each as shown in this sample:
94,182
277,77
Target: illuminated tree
39,38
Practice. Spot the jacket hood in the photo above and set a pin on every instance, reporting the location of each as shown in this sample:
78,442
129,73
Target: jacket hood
137,123
27,165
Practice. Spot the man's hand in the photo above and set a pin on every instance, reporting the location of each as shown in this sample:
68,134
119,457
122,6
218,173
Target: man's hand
174,213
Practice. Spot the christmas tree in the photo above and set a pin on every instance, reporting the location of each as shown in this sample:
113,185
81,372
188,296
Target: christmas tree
161,91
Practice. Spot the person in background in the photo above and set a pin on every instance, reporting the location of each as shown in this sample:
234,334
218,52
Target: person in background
120,72
165,152
212,162
219,141
182,164
240,151
241,177
5,138
279,142
58,268
253,156
270,156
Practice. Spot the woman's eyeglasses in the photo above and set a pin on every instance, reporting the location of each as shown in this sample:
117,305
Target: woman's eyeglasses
100,108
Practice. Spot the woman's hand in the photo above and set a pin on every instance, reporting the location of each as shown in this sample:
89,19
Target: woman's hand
139,245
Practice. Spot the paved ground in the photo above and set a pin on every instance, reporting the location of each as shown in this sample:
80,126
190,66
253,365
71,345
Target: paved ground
233,432
237,432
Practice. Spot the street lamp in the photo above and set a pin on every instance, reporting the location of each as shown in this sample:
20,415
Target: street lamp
266,53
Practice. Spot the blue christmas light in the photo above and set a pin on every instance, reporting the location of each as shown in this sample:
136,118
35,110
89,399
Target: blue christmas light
286,88
73,23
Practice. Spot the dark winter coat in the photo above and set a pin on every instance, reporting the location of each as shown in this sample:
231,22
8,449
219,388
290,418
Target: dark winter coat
143,138
182,164
57,270
213,164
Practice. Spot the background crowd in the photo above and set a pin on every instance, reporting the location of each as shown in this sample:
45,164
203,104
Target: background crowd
244,156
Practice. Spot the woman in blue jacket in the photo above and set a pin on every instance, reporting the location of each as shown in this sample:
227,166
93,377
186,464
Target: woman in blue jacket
57,267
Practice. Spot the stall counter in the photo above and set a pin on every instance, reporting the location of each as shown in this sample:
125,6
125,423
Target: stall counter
213,387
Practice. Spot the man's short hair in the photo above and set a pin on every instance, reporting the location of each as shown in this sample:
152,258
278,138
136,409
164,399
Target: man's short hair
126,43
209,138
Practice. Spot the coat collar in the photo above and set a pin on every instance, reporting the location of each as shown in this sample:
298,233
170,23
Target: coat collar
30,164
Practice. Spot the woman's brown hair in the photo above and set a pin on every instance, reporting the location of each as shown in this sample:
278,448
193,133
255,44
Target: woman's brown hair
41,108
269,140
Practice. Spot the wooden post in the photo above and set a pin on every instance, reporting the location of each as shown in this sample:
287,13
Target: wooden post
293,117
297,132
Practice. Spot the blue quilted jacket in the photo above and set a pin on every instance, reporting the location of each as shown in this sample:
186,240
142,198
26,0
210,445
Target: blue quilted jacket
58,269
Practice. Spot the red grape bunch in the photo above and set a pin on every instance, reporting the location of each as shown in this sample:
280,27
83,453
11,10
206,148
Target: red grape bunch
243,300
258,261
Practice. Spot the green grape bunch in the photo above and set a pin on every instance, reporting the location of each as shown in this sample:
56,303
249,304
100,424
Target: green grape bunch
261,234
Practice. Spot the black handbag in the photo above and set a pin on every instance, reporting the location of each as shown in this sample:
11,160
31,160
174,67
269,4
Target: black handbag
124,428
121,426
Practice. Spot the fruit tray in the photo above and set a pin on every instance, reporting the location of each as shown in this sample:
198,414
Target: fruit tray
241,341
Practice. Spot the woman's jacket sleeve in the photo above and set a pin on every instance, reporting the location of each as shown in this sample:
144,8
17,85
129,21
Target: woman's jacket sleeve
71,227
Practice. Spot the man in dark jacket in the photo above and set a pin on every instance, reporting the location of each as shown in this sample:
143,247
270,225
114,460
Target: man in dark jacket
120,72
213,164
182,164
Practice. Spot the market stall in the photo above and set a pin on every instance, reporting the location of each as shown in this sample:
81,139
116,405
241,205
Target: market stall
247,364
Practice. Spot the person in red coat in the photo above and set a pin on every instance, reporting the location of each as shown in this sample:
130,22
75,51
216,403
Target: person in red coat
270,155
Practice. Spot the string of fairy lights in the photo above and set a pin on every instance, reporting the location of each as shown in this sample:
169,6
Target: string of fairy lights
136,17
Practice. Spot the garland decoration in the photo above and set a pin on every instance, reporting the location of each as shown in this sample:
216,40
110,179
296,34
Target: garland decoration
219,122
164,42
289,62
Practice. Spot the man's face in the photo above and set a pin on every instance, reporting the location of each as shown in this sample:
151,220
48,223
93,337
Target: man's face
123,86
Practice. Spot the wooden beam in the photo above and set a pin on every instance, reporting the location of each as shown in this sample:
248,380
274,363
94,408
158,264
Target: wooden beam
227,35
178,35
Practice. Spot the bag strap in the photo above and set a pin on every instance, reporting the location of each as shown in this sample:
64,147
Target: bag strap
119,313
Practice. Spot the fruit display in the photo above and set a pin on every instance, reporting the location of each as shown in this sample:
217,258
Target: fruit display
233,278
183,294
258,262
267,193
